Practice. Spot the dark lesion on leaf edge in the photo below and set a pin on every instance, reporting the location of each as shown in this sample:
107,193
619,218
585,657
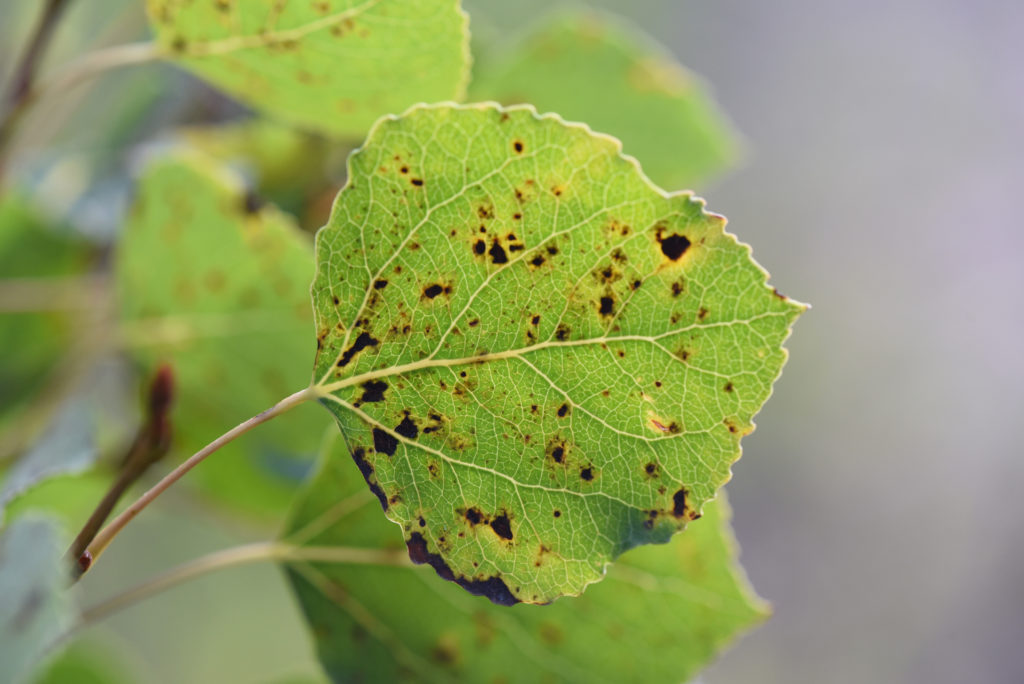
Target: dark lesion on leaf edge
494,588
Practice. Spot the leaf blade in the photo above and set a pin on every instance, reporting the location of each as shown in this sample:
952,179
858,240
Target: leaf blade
472,446
333,66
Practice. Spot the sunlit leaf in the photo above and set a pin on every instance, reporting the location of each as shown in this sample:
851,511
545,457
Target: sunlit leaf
34,608
333,66
538,359
594,68
661,615
218,287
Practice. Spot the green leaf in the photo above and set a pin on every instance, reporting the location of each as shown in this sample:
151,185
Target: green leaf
34,608
534,353
663,612
595,68
333,66
86,662
218,286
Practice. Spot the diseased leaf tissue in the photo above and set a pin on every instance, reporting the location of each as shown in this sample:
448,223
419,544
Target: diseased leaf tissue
538,359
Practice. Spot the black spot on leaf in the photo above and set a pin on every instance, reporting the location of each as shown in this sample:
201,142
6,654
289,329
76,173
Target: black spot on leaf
502,526
493,588
679,503
359,456
497,253
380,284
674,246
432,291
384,443
373,391
362,342
587,474
407,428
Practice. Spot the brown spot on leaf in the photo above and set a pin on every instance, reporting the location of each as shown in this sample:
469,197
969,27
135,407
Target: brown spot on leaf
497,253
407,428
587,474
563,410
518,146
679,503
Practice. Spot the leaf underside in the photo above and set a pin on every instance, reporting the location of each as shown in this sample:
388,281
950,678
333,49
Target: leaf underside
333,66
669,609
538,359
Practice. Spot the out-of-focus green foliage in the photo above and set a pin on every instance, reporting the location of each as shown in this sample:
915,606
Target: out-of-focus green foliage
34,611
35,325
218,287
595,69
660,615
329,65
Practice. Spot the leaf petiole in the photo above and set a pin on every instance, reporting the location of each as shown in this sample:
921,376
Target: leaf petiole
107,534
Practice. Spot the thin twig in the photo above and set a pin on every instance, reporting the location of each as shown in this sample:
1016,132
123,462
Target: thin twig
149,446
25,73
240,555
81,69
103,539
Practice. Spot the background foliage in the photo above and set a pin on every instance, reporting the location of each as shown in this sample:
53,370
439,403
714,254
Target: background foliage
881,513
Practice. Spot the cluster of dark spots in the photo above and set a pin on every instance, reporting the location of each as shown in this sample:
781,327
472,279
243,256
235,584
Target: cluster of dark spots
518,146
606,275
433,469
562,332
673,246
678,287
485,212
435,289
362,342
702,314
651,517
407,427
435,426
587,474
563,410
728,387
373,391
384,442
651,469
513,244
493,588
380,284
359,456
606,306
540,556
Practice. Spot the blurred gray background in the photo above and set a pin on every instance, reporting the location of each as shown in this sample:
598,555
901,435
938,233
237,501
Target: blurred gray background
879,504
